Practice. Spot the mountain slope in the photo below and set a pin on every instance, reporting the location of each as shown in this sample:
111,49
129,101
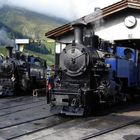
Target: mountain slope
22,23
28,23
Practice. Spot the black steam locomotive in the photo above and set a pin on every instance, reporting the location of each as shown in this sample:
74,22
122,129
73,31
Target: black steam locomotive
1,57
20,73
92,71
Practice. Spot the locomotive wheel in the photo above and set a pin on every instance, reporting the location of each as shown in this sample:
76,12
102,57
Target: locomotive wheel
91,103
33,83
91,109
87,111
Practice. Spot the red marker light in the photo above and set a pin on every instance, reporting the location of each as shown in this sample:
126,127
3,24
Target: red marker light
49,86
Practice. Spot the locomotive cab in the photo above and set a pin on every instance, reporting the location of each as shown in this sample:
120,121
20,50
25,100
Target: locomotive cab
125,66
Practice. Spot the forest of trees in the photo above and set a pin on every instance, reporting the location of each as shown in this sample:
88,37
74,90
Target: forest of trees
41,48
38,47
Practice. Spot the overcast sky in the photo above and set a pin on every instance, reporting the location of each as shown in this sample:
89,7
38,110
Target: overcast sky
67,9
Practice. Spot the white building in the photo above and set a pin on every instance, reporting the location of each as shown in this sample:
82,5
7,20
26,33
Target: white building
119,22
20,44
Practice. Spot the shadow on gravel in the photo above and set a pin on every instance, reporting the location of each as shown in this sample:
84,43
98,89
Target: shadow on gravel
105,109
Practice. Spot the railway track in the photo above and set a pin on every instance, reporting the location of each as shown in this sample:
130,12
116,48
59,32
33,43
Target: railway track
19,101
24,116
17,109
33,120
28,116
93,128
31,126
106,131
10,108
82,128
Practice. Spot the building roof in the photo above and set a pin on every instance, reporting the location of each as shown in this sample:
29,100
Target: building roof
107,11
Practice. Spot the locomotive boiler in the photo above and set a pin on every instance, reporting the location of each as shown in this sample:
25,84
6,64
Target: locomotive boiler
20,73
92,71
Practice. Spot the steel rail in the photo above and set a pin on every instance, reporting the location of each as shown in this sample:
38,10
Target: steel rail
109,130
40,129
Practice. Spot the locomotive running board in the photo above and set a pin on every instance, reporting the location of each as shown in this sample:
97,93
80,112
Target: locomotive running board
67,110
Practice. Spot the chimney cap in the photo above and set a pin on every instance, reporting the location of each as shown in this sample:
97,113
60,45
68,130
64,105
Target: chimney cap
9,47
80,23
97,9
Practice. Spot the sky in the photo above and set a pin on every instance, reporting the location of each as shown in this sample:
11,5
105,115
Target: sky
67,9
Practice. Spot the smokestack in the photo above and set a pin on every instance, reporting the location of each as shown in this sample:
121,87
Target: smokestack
9,51
96,9
78,32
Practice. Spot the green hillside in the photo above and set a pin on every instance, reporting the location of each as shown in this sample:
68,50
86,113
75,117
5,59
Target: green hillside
2,51
27,24
49,58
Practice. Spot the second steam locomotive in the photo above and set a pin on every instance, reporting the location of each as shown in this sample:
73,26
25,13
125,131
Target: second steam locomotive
20,73
93,71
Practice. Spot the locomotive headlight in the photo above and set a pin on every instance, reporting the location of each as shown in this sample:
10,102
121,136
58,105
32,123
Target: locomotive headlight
108,65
